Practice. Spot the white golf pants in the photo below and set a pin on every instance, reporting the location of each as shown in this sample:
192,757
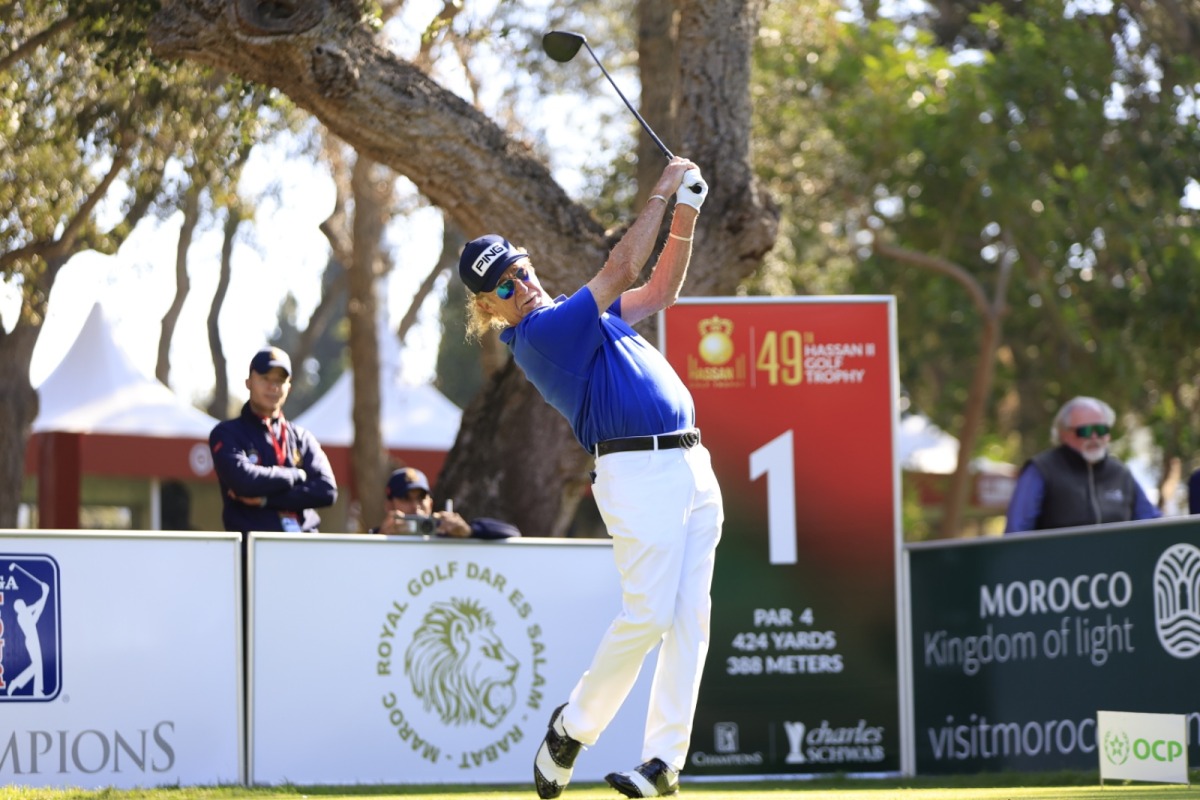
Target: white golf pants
663,510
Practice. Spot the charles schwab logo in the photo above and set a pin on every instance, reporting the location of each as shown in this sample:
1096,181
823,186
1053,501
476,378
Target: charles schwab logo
1177,600
460,656
828,745
30,629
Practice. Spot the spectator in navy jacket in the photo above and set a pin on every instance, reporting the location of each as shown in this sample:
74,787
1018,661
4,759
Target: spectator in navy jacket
407,496
273,473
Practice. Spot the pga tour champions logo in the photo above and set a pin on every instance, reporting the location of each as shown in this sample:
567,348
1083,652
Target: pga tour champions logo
30,629
1177,600
461,660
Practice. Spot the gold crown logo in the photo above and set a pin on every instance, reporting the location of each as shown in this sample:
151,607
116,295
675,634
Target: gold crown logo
718,325
716,346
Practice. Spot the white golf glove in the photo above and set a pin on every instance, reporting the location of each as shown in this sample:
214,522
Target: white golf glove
693,190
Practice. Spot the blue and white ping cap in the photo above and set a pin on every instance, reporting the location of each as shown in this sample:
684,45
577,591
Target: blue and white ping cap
484,260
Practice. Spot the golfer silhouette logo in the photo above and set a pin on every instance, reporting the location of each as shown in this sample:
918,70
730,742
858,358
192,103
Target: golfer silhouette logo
459,667
30,630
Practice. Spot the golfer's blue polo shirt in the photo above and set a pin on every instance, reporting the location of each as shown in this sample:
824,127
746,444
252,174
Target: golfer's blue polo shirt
598,372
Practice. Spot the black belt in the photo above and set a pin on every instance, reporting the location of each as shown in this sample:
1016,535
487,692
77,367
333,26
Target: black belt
666,441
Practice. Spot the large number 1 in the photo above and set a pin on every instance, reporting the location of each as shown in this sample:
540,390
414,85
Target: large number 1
774,459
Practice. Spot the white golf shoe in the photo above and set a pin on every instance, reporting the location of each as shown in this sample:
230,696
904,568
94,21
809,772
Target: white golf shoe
555,760
655,778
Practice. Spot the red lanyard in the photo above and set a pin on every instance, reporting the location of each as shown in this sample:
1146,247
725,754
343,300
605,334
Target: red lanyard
278,442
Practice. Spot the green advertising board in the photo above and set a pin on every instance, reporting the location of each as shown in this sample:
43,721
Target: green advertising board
1017,642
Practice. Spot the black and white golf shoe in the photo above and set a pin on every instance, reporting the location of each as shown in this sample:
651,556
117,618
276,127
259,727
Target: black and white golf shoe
652,779
555,760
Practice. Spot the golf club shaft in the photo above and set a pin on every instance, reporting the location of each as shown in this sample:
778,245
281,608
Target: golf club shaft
629,105
18,566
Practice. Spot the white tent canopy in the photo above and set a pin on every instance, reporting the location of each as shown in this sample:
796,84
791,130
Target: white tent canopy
97,388
924,447
413,416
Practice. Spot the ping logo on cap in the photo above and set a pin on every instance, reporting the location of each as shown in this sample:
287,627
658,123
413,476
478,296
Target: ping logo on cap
480,267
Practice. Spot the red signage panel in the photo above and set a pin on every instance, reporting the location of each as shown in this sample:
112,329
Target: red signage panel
796,400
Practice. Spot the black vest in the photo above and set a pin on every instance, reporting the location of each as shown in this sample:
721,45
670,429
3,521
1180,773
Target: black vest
1079,493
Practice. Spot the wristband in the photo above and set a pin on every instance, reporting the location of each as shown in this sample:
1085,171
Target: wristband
681,238
656,197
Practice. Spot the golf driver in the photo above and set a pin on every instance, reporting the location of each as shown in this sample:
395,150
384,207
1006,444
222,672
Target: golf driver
562,47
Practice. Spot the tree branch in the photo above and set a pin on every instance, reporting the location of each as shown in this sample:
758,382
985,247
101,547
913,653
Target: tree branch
36,41
940,265
49,250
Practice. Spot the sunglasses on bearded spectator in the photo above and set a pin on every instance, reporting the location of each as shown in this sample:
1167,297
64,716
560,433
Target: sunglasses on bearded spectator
507,288
1086,431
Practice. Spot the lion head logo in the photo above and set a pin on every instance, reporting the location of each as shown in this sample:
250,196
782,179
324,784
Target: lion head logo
458,665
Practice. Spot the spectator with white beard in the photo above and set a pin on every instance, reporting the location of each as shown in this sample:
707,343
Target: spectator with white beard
1077,482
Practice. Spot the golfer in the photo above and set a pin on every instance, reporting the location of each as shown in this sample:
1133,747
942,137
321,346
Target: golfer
654,483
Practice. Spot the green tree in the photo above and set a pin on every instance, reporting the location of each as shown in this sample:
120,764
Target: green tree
1037,153
90,123
327,61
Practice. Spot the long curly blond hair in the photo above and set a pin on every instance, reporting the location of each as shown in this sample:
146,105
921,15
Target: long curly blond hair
480,320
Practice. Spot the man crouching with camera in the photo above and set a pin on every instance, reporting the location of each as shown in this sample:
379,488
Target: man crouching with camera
408,509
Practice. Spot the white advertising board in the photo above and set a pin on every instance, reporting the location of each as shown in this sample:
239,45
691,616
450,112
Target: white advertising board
119,659
395,660
1142,747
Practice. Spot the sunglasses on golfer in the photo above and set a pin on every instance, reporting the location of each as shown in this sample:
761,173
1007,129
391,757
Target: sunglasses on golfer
507,288
1086,431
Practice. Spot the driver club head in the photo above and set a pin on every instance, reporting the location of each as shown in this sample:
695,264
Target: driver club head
562,45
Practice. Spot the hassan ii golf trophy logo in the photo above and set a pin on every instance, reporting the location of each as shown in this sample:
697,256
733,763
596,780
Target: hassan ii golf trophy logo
461,659
30,629
715,363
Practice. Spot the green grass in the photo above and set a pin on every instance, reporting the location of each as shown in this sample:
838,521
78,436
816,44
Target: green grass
1003,786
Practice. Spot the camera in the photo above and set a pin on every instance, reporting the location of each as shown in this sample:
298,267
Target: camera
418,524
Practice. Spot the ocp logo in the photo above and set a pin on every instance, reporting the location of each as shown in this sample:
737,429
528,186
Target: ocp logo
1116,747
1177,600
30,628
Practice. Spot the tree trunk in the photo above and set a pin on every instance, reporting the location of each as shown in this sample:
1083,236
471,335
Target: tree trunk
372,209
658,56
219,405
515,459
191,217
328,63
20,400
991,313
43,259
958,494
